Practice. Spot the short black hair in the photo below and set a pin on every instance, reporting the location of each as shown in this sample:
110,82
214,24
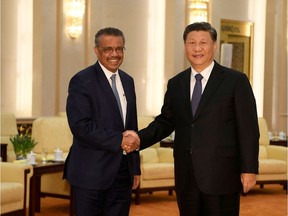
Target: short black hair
200,26
108,31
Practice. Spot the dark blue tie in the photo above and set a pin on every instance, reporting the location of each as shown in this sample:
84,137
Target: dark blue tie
196,93
114,89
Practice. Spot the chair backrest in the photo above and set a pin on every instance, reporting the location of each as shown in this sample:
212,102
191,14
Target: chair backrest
149,155
264,132
8,127
52,132
143,122
264,138
8,124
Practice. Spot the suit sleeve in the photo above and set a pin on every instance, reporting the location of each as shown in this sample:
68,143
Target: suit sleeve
247,126
89,133
161,127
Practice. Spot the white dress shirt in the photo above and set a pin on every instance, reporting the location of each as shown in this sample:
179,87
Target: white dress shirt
120,89
205,73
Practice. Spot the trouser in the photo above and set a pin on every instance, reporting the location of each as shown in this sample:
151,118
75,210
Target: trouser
193,202
115,201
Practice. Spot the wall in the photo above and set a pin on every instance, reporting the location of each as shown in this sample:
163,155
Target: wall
56,57
227,9
8,57
16,56
134,19
275,103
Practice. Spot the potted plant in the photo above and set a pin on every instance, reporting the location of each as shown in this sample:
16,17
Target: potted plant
22,145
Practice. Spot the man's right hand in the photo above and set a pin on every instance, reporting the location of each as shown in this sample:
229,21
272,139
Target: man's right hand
130,141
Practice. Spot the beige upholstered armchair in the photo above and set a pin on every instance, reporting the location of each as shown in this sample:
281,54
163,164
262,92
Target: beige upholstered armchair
8,127
52,132
157,166
272,159
14,186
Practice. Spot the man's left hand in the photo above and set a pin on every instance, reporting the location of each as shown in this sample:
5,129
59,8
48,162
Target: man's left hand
136,181
248,181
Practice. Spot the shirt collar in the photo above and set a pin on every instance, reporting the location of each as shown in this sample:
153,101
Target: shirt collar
108,73
206,72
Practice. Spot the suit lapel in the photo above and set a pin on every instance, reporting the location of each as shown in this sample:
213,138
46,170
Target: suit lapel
107,90
103,82
186,91
214,81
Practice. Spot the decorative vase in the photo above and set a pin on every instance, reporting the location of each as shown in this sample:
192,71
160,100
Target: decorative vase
19,157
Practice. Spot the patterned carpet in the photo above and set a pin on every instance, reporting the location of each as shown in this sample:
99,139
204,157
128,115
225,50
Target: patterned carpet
270,201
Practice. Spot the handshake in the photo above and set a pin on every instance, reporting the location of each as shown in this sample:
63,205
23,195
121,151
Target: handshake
130,141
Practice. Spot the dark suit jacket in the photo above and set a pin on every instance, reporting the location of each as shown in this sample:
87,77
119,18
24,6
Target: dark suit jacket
97,127
223,134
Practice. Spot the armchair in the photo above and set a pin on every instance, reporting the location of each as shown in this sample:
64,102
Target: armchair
272,159
52,132
8,127
15,181
157,167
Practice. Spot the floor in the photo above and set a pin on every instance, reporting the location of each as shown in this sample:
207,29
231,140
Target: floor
270,201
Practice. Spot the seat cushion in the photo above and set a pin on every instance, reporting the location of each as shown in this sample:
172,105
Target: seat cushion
11,192
263,152
152,171
55,184
149,155
165,155
272,166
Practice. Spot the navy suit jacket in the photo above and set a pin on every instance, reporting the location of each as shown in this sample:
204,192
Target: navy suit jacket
223,134
96,124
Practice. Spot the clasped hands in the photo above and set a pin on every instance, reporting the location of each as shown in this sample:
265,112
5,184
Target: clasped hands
130,141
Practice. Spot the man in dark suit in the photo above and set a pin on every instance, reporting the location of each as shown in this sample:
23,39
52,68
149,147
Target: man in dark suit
216,145
102,166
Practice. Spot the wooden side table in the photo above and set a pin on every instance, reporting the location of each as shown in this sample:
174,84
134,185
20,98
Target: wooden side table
279,142
4,152
35,185
168,143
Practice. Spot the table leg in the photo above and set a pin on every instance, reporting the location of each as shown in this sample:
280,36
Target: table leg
71,202
4,152
32,196
38,194
34,201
